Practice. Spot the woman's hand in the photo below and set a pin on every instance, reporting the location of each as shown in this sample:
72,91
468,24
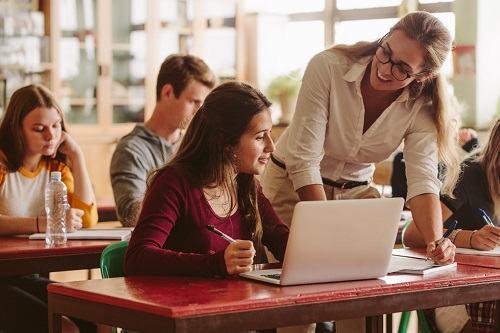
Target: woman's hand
73,219
239,257
465,135
442,254
487,238
67,146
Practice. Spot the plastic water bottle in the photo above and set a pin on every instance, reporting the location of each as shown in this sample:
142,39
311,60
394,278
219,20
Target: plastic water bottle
56,204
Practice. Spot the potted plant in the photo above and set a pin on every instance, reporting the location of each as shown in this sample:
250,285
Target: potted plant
284,89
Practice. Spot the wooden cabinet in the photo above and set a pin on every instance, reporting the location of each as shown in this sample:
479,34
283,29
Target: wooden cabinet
108,53
24,48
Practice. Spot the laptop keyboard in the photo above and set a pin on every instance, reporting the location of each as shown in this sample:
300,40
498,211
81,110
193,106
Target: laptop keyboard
273,276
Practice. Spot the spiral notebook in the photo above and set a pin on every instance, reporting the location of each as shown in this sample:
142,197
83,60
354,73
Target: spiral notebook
97,233
337,240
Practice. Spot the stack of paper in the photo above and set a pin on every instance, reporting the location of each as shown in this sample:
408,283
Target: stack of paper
411,265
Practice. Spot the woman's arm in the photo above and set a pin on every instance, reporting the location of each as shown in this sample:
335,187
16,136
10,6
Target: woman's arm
311,193
14,225
413,237
80,190
76,163
486,238
427,217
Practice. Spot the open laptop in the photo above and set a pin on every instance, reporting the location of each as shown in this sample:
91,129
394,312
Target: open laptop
337,240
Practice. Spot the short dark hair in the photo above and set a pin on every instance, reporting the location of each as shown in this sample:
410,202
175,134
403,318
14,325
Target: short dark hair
179,70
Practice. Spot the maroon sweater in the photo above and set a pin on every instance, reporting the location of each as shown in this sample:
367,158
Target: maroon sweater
170,237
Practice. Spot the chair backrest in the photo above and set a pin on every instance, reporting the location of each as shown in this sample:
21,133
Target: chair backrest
112,258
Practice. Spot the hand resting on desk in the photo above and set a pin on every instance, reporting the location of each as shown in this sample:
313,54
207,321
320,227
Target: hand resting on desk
74,220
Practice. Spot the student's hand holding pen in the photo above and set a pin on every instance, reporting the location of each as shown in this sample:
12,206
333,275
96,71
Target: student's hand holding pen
488,237
239,257
443,250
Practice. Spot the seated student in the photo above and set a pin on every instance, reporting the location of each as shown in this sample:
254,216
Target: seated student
183,83
34,142
477,188
211,181
467,139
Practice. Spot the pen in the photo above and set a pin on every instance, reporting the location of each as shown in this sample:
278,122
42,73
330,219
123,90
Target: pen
220,233
448,232
485,216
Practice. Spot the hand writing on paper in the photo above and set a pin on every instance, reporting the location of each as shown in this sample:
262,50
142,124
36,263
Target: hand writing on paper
487,238
239,257
442,254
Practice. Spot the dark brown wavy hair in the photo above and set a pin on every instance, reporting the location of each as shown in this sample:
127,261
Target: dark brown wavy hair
206,153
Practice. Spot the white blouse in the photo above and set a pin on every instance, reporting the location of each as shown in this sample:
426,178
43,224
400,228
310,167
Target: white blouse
326,139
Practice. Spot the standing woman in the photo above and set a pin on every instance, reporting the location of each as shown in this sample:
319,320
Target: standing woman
34,142
356,105
211,181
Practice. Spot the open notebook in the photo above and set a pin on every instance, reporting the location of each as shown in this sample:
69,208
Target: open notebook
337,240
96,233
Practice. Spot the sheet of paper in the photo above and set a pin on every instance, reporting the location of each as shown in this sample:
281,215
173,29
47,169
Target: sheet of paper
409,265
494,252
97,233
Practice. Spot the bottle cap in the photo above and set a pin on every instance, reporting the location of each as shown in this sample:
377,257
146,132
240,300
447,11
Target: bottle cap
55,174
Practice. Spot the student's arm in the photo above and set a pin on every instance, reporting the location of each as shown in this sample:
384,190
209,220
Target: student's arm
486,238
75,160
128,178
81,196
13,225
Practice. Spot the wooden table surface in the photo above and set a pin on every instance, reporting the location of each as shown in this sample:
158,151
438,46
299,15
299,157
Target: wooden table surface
19,255
188,304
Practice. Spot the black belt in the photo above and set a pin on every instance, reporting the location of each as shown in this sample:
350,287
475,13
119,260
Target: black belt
346,185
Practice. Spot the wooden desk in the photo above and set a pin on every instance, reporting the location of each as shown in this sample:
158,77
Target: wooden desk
106,208
183,304
19,255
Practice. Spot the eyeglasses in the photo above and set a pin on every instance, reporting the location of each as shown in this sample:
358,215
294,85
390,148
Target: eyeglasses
397,70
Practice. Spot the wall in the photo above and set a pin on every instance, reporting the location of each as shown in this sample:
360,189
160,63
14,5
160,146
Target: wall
478,26
98,159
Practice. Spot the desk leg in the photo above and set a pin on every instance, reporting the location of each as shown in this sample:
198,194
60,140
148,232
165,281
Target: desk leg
55,322
375,324
497,316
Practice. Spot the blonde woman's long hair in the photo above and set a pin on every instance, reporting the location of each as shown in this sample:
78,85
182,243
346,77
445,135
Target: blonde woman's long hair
489,159
436,40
